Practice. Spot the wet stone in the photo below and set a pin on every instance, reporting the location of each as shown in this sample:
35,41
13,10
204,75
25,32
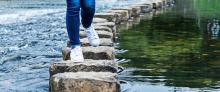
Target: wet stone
84,82
103,42
87,66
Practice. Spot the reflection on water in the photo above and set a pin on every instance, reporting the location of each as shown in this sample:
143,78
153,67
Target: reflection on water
172,52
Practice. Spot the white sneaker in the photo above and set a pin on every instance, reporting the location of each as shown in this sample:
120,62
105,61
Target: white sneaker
92,36
76,54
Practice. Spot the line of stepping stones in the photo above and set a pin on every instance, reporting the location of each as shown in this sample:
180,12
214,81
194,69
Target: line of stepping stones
98,72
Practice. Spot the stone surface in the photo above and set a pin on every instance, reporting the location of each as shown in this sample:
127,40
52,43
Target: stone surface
66,52
111,17
124,14
124,8
103,28
103,42
135,11
96,53
102,34
99,53
144,8
108,24
99,20
87,66
84,82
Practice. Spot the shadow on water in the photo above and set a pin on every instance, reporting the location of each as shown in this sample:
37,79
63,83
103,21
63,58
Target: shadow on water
172,52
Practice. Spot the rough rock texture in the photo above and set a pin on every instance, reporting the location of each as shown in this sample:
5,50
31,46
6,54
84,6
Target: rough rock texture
144,8
103,42
102,34
99,20
124,14
111,25
99,53
84,82
96,53
103,28
87,66
111,17
124,8
66,52
135,11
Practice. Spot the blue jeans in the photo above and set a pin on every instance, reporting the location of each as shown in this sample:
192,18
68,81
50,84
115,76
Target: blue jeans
74,8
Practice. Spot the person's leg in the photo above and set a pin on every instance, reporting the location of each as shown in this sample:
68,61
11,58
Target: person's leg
73,21
73,25
87,12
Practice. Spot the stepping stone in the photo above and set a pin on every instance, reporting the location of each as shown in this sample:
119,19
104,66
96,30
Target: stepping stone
99,20
99,53
95,53
123,13
135,11
87,66
102,34
84,82
111,17
103,28
145,8
124,8
103,42
111,25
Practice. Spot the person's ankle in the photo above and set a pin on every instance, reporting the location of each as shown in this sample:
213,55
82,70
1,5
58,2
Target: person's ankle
74,46
89,28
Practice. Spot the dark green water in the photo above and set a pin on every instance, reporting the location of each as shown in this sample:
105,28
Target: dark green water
172,52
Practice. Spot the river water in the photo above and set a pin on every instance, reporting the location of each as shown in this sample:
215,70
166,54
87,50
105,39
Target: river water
169,52
173,51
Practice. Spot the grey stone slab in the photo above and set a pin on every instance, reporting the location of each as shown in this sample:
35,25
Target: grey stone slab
84,82
99,53
86,66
